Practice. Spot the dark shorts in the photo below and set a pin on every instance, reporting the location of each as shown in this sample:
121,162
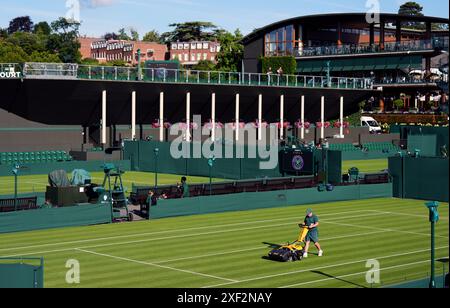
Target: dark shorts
313,236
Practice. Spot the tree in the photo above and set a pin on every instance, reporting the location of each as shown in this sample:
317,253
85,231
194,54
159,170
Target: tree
231,51
134,34
204,65
190,31
111,36
412,9
10,53
90,61
152,36
64,40
42,28
3,33
44,56
22,24
122,35
29,42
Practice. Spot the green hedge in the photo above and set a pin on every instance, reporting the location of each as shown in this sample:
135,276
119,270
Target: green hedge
288,64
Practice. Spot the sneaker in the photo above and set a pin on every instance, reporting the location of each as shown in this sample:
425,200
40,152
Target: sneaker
321,253
305,255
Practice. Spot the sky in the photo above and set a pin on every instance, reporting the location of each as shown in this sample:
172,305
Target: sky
101,16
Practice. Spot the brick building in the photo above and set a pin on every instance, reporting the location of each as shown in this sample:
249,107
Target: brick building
190,53
113,50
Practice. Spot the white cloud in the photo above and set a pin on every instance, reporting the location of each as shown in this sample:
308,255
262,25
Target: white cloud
98,3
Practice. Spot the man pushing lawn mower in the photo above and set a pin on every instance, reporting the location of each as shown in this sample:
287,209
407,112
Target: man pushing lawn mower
312,223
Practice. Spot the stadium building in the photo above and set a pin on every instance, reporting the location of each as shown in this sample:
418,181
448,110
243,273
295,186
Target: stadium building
401,52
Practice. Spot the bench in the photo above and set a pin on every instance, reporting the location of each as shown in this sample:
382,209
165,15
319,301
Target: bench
28,203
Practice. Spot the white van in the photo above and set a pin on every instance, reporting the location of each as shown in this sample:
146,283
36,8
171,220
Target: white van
373,125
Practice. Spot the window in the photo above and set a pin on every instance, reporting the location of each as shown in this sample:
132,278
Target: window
212,49
205,45
186,57
193,46
213,58
186,46
218,48
180,46
193,57
205,56
199,56
199,45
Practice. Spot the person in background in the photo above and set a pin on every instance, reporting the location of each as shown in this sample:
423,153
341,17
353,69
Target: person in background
151,199
280,71
184,188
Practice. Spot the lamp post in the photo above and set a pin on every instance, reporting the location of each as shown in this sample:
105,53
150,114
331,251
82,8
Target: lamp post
139,64
15,171
328,74
156,151
434,218
211,161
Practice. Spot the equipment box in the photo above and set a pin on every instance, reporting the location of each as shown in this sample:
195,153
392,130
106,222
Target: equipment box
66,196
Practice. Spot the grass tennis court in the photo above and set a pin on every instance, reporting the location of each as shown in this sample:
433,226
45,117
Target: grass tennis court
37,183
227,250
366,166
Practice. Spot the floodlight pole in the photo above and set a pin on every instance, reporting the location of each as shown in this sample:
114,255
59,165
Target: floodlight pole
156,151
139,64
434,218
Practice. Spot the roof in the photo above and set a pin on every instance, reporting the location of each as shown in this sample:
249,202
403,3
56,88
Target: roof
357,18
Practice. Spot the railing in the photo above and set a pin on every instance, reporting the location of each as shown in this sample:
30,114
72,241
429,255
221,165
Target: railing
406,80
74,71
405,46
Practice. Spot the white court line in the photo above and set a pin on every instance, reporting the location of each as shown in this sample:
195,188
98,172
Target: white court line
171,231
354,274
324,267
411,215
384,229
263,247
156,265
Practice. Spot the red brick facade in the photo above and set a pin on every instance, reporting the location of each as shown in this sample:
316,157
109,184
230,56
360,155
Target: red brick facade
112,50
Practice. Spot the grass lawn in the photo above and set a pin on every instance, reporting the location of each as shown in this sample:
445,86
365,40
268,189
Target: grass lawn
365,166
37,183
228,249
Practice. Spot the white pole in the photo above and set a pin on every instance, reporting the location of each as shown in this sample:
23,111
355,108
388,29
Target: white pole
303,118
188,116
161,116
282,117
133,115
260,112
104,117
322,118
341,119
213,117
237,116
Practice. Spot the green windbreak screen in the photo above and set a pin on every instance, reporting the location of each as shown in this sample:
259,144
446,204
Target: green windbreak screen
360,64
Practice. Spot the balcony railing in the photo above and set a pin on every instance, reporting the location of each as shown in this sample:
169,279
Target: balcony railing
162,75
405,46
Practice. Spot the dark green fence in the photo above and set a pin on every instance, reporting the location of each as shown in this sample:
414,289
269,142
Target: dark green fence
442,134
271,199
20,273
424,178
46,218
142,156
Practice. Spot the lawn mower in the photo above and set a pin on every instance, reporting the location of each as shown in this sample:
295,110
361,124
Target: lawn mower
292,251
